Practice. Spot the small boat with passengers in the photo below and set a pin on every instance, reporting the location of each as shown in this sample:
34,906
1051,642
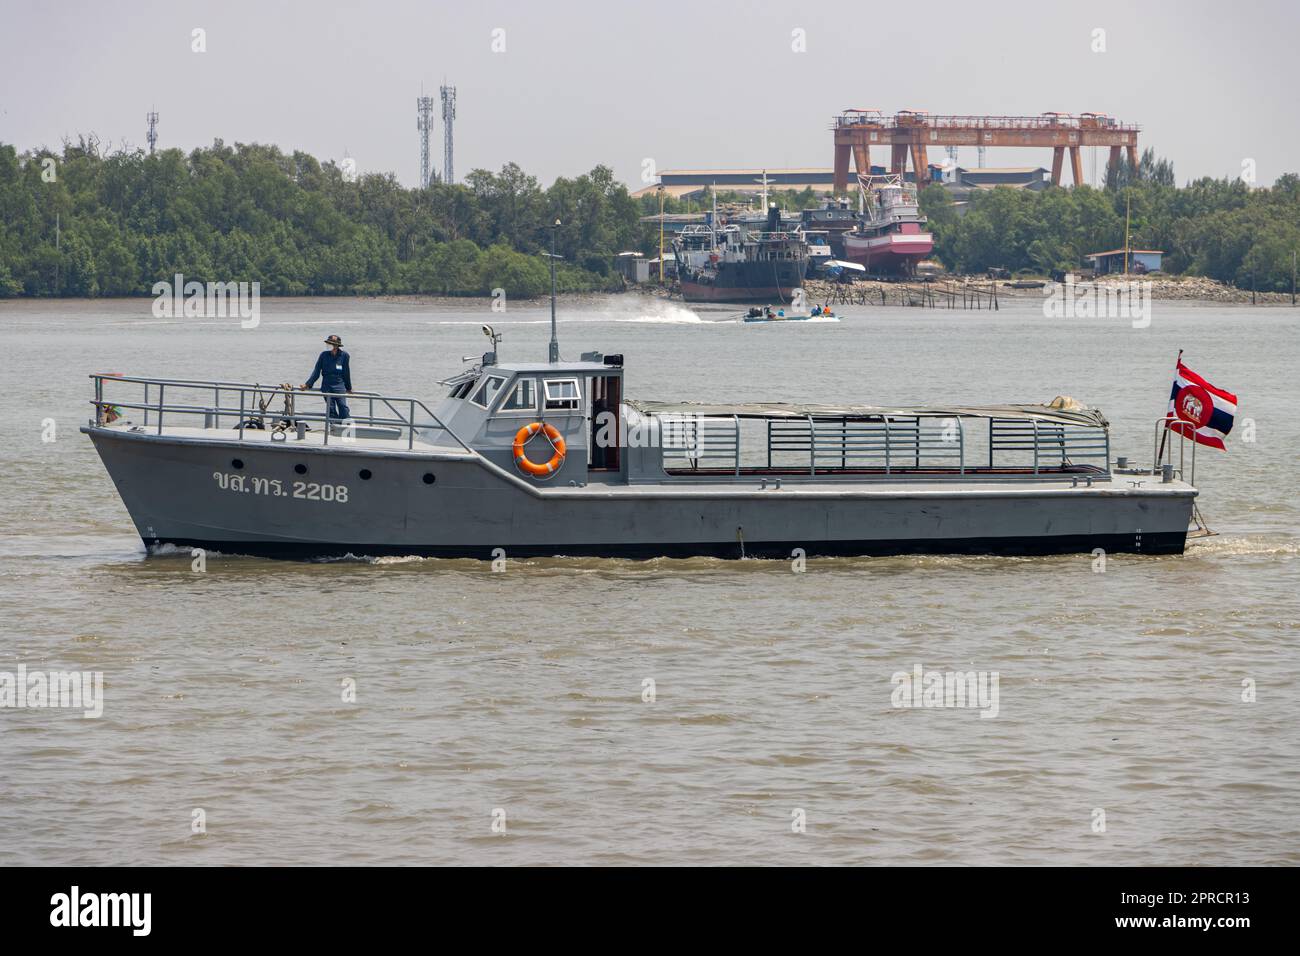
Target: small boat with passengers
550,458
818,313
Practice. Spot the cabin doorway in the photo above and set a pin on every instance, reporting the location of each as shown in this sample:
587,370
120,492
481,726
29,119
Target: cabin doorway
606,428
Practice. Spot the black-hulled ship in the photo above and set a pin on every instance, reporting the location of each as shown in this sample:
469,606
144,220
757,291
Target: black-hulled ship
740,264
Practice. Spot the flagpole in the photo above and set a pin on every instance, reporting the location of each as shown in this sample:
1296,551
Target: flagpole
1165,434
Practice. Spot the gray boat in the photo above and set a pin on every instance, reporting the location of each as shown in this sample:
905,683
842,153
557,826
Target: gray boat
538,459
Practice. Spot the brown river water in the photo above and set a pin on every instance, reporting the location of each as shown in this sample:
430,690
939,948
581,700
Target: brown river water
503,717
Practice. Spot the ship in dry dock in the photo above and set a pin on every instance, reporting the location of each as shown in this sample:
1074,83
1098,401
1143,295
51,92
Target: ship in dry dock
890,236
738,263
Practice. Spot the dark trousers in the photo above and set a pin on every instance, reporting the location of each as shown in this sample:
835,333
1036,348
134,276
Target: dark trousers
336,407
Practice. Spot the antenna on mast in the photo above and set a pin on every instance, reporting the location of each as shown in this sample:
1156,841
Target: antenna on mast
448,117
423,109
152,135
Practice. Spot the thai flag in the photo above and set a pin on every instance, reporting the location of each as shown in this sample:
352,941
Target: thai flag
1199,410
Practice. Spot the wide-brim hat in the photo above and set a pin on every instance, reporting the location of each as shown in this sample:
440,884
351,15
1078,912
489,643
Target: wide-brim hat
334,340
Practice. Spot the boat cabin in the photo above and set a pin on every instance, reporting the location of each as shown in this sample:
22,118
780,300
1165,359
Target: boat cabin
487,406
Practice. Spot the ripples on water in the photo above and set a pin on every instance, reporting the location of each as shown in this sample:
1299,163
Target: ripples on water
523,690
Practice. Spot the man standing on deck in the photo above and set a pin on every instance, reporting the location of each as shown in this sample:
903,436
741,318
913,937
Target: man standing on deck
335,376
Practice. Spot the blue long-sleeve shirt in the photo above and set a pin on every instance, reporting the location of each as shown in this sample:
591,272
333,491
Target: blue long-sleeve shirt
333,371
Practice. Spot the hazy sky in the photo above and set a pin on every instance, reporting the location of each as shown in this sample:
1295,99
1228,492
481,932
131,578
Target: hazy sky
686,84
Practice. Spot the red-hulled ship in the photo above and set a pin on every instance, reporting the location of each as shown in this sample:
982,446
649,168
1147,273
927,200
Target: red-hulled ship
890,236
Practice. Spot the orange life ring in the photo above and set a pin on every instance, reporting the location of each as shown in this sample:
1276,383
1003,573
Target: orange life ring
531,467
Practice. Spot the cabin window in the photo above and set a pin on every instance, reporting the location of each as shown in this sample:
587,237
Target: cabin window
463,389
562,394
488,390
523,398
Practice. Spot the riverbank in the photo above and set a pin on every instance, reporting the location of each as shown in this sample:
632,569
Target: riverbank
1168,288
1194,289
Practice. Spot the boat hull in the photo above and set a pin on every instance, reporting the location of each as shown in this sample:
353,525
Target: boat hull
1169,543
175,494
704,292
745,282
894,252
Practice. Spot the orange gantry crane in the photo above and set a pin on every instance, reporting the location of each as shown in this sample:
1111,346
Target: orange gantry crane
911,132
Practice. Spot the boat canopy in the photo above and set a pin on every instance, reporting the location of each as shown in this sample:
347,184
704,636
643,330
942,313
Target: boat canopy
844,264
1041,413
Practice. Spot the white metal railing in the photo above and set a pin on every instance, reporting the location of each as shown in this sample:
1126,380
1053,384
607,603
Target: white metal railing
888,443
1052,444
701,441
892,442
251,405
1185,436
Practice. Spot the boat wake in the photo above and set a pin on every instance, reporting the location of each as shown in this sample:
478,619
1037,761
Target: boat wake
644,310
1243,546
393,559
667,315
167,551
676,315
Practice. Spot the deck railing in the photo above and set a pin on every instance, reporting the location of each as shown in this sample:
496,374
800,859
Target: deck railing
701,442
1163,448
1052,444
238,405
892,443
888,444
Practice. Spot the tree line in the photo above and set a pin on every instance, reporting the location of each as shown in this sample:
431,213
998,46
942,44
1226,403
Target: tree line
85,222
1220,228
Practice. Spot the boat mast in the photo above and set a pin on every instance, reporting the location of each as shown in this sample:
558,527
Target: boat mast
713,221
661,233
764,183
555,342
